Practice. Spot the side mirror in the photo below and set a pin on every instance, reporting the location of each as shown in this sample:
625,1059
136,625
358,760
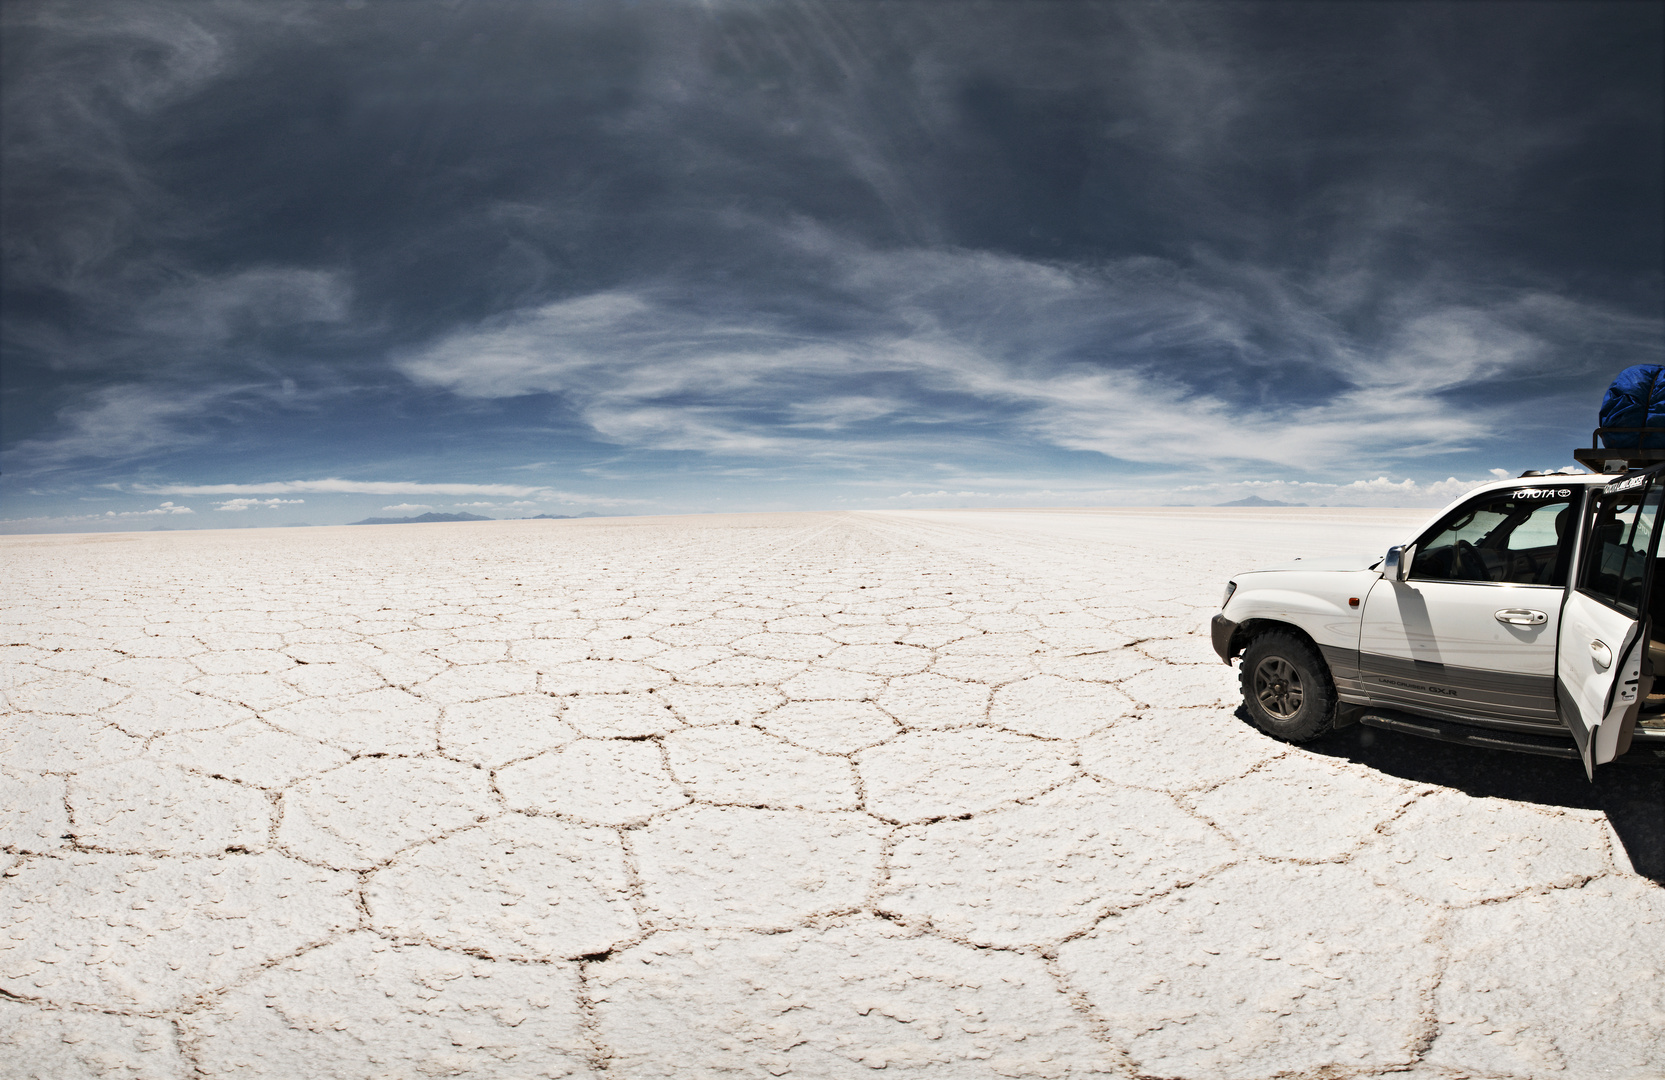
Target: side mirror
1396,566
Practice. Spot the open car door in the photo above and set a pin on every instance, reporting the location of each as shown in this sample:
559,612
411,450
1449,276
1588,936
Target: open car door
1604,625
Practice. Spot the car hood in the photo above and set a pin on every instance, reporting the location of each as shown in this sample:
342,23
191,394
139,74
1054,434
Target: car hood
1326,562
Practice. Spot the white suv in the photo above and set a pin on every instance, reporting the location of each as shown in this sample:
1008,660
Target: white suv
1523,616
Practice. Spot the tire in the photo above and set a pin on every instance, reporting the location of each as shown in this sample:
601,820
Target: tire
1287,688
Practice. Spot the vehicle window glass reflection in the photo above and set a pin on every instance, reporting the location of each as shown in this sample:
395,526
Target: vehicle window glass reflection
1520,537
1615,565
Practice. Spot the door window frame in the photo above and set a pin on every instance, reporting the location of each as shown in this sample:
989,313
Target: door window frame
1653,478
1581,504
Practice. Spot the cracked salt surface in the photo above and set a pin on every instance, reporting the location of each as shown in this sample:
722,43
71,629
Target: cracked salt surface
938,794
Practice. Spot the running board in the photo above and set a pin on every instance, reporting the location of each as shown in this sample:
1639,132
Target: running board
1470,735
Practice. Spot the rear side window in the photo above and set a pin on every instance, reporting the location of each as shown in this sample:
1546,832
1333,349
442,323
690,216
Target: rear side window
1523,537
1616,560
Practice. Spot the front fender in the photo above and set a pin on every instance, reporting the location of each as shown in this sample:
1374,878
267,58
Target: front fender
1271,603
1319,603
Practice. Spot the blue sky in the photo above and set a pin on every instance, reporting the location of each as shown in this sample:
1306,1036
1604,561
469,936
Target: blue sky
275,262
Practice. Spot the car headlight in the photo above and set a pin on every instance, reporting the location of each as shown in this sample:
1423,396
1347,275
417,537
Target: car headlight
1231,587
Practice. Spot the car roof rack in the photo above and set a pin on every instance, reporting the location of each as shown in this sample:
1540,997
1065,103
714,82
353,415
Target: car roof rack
1618,459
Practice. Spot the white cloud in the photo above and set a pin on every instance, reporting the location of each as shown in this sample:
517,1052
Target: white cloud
336,486
1373,491
953,495
108,517
1410,491
160,511
239,505
1379,491
407,508
333,486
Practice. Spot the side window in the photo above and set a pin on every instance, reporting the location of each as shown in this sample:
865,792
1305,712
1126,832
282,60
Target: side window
1522,536
1616,559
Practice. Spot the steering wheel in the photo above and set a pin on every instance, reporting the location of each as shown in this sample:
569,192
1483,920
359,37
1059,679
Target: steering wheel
1470,566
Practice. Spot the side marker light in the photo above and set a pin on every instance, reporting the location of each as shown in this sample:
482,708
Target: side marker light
1352,601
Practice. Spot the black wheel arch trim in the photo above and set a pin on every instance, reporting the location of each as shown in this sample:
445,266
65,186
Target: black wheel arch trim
1224,633
1231,638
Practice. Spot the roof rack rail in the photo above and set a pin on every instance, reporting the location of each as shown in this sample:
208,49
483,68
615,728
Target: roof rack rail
1618,459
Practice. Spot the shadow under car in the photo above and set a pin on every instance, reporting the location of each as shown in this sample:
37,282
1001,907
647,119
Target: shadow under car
1630,791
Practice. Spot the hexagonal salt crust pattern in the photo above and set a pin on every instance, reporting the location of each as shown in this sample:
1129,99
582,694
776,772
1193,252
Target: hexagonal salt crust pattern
931,794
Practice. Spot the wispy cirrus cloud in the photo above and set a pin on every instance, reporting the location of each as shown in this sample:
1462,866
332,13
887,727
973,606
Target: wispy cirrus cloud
212,310
1140,360
124,420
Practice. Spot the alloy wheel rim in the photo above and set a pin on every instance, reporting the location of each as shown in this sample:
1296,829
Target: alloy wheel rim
1278,687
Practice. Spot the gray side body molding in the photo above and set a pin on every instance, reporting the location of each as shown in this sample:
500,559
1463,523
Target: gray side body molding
1344,669
1460,691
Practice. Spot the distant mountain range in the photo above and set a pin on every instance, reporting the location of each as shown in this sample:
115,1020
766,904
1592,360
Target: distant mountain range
421,519
1256,500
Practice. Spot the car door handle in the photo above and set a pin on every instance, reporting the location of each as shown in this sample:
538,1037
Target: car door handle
1601,654
1520,616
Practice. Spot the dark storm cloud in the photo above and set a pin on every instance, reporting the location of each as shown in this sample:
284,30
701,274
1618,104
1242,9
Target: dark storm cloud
1323,236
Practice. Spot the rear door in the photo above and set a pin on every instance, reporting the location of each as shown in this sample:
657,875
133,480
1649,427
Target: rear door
1605,626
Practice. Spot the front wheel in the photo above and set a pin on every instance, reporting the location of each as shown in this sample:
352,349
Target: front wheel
1287,689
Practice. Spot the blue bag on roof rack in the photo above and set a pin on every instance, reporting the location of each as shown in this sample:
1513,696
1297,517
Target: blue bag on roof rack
1636,400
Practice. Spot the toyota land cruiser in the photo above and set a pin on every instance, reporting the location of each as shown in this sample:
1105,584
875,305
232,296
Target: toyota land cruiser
1523,616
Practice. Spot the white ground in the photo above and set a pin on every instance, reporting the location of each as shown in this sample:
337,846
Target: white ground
943,794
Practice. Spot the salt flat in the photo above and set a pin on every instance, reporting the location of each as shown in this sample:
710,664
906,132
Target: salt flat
948,794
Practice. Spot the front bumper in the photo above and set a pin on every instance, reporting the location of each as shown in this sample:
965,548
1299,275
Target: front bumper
1223,629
